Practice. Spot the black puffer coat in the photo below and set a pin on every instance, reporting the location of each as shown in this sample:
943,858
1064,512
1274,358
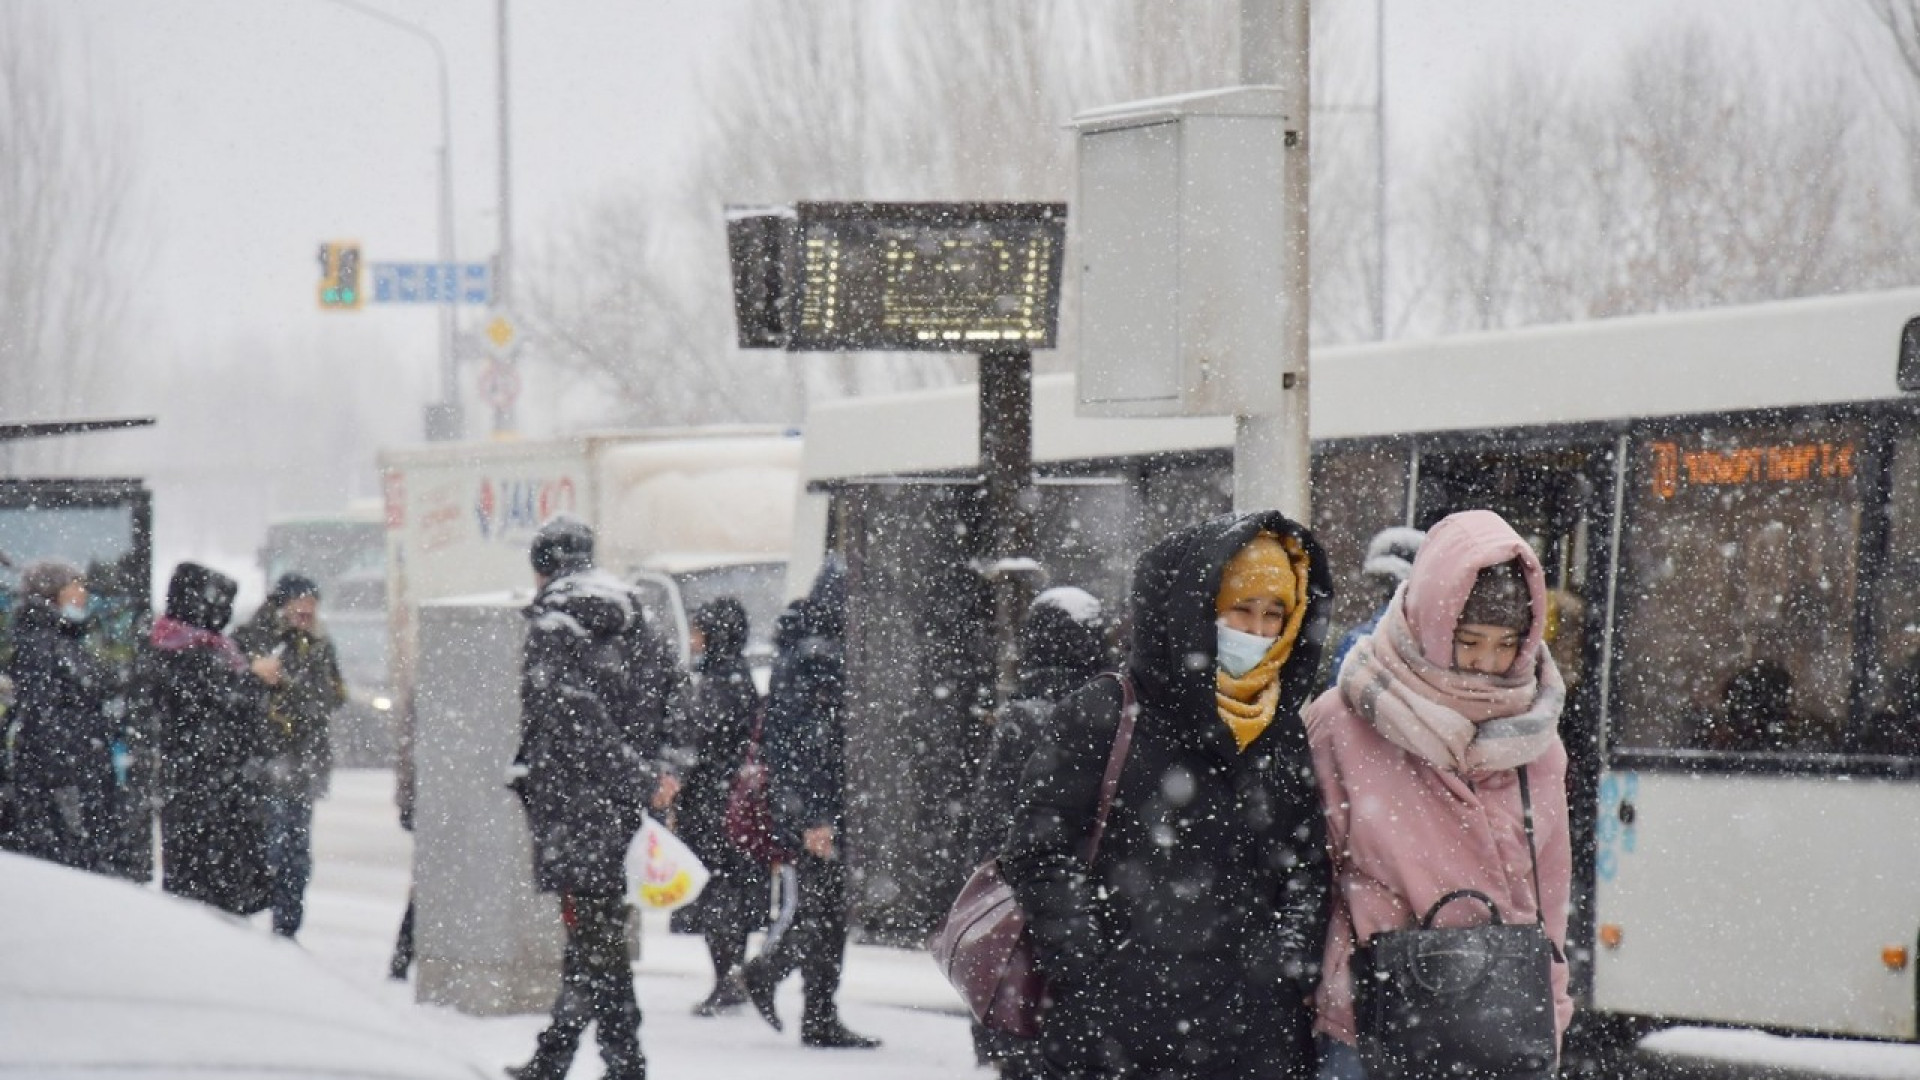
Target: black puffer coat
804,742
713,720
211,714
593,693
1192,947
62,741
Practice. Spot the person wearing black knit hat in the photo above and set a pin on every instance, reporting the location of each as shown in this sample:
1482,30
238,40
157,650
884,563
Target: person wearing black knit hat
299,753
209,706
593,691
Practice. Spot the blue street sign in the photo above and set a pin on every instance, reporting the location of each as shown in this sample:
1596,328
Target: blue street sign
432,283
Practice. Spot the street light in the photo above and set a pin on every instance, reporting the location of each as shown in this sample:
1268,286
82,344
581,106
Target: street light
447,424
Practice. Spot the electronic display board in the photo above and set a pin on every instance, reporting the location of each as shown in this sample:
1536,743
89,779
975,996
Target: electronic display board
944,277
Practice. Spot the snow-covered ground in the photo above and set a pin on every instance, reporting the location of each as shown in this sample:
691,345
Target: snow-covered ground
359,891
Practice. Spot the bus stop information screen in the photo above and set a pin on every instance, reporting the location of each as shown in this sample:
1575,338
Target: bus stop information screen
950,277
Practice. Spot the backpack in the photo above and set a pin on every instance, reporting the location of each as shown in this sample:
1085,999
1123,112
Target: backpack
983,946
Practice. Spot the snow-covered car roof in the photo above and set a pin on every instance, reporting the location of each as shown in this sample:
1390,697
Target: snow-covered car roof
104,978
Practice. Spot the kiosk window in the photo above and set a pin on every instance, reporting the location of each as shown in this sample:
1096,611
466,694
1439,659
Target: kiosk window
1738,576
1892,723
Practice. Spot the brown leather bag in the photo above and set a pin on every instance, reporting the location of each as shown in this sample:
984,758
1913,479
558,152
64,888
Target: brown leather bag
983,947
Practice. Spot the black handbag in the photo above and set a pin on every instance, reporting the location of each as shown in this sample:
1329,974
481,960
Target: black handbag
1473,1003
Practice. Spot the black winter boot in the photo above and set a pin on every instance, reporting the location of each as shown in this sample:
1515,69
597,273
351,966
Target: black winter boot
552,1054
829,1033
759,990
727,996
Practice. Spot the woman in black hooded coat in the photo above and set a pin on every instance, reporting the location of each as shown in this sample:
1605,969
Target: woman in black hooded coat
713,718
1192,947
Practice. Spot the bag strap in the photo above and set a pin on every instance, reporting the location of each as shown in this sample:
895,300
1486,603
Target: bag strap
1533,857
1116,758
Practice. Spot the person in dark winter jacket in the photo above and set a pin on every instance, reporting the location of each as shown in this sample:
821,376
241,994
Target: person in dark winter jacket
1063,646
593,691
299,756
62,736
1389,560
713,720
209,704
1191,947
804,747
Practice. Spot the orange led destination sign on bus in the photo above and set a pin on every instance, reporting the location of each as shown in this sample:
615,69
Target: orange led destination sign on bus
1784,463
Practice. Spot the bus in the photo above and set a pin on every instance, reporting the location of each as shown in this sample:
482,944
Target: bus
1727,504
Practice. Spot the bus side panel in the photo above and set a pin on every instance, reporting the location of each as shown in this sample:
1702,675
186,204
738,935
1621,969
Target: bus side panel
1762,900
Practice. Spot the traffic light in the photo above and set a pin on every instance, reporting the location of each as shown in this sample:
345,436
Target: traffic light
340,275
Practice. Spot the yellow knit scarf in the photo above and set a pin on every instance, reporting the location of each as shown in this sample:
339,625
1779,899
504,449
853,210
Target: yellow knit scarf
1246,703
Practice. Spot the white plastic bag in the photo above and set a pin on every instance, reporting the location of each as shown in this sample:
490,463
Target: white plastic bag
662,871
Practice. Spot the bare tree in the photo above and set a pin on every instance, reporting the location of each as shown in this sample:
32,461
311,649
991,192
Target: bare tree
1688,181
66,178
891,99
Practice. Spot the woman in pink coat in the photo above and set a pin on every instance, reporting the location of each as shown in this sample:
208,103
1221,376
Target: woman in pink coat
1416,750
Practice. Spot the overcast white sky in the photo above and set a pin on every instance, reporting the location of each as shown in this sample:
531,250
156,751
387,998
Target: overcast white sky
268,126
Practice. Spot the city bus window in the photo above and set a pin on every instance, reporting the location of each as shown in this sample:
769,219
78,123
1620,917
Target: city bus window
1892,724
1357,491
1739,564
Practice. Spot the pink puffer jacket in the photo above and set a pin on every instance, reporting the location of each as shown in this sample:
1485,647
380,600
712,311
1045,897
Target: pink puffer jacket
1404,833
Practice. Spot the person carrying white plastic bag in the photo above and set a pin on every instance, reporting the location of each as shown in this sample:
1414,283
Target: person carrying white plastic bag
663,873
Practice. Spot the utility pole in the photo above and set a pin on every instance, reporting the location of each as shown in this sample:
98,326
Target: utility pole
1271,461
1380,169
503,418
443,418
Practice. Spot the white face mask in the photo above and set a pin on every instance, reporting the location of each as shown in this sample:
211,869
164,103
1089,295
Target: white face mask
73,612
1238,652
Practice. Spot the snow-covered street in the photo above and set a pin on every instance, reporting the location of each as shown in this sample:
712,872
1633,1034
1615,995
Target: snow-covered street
361,860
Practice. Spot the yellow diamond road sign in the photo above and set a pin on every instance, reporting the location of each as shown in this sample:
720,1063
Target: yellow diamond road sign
500,334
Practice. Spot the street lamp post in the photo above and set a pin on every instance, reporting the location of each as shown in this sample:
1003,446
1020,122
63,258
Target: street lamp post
448,425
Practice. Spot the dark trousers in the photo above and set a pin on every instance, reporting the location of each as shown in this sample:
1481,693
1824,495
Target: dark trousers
289,858
596,984
727,911
816,943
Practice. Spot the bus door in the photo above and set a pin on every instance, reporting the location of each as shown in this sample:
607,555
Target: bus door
1561,498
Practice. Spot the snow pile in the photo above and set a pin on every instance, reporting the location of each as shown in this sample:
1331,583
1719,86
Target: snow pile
99,976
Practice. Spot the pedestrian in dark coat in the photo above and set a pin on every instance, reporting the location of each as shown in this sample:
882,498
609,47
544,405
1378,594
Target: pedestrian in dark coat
1063,646
62,736
210,707
713,717
804,746
299,756
1191,948
593,692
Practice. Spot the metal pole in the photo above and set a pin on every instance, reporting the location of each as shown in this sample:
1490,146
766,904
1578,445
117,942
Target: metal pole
1380,169
1006,465
449,370
503,419
1271,453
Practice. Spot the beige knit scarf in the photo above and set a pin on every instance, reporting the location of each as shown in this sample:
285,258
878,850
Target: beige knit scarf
1467,722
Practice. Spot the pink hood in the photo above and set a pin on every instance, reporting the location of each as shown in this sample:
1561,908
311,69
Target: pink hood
1457,549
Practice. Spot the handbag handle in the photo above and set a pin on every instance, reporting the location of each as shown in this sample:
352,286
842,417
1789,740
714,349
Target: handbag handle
1533,857
1116,758
1461,894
